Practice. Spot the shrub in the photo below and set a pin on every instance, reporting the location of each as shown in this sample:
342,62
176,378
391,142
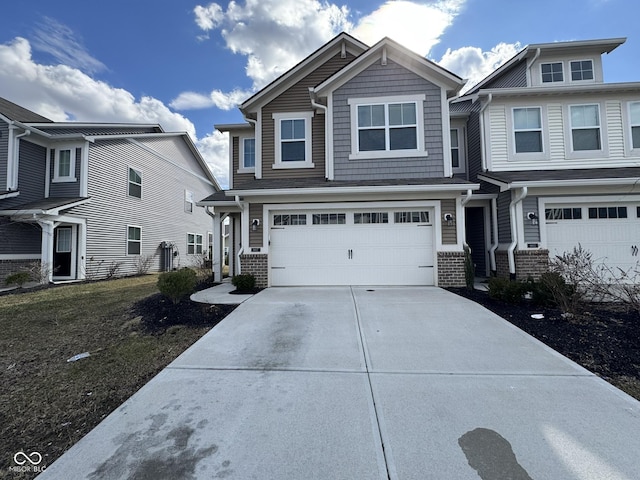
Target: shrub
244,282
177,285
507,290
552,290
18,278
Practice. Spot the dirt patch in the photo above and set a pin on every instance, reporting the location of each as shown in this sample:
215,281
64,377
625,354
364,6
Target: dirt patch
604,340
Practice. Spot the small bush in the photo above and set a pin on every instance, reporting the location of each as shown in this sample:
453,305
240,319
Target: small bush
507,290
177,285
244,283
18,278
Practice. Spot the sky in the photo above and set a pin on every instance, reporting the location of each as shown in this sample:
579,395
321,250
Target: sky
188,64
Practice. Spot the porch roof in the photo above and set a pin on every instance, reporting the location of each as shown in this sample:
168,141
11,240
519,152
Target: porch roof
45,206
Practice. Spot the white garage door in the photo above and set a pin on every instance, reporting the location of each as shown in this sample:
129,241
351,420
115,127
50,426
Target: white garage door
349,247
611,232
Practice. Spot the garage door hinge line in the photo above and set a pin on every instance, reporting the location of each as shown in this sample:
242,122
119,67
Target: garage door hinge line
365,351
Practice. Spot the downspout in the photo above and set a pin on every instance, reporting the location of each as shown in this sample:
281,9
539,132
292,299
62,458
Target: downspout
12,177
494,227
514,231
315,104
244,240
483,132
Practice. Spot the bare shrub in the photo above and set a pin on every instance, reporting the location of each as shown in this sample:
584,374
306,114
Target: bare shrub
143,264
112,269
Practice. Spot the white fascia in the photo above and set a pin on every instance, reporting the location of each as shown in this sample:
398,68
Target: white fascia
355,190
583,182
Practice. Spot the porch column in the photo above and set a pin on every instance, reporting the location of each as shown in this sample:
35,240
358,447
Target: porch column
47,250
217,247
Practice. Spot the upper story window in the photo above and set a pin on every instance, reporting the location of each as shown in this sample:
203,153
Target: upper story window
527,128
135,183
552,72
64,165
634,120
188,201
292,140
585,127
248,153
387,127
457,151
581,70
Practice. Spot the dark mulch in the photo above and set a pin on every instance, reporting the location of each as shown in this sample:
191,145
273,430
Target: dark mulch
604,340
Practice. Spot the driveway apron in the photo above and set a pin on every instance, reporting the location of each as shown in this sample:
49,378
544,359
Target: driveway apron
365,383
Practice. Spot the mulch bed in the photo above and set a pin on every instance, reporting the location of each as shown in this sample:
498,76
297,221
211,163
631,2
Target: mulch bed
604,340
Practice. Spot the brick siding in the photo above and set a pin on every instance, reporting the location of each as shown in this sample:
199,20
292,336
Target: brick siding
256,265
529,263
451,269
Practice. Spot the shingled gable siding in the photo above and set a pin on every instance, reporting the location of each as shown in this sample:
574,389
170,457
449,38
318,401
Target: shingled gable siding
160,212
385,80
512,78
66,189
296,99
4,154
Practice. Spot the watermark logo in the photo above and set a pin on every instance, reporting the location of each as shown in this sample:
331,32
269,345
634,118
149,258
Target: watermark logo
27,462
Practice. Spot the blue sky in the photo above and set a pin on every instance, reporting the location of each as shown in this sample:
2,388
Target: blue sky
186,64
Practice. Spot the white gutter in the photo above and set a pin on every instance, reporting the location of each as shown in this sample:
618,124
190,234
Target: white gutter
13,166
483,146
582,182
467,197
315,104
514,230
494,227
358,189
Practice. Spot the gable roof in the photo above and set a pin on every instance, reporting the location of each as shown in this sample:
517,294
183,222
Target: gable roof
20,114
341,42
405,57
606,45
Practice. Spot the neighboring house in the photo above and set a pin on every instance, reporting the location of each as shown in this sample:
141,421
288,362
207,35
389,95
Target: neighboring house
557,153
92,200
343,173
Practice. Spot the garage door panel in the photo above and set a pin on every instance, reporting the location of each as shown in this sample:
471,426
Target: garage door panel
352,254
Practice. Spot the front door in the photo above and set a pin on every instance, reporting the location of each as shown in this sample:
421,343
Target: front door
475,225
62,252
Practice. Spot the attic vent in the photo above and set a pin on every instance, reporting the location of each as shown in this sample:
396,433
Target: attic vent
384,56
343,52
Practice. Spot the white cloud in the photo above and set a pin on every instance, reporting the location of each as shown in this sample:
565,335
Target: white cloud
473,64
63,93
59,41
214,148
217,98
208,17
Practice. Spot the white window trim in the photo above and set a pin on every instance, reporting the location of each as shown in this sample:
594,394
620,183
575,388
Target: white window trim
634,151
188,198
307,117
544,154
569,134
72,164
564,76
462,158
354,103
593,70
195,243
139,172
127,240
241,167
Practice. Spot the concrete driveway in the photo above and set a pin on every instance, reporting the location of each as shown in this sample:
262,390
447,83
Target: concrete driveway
365,383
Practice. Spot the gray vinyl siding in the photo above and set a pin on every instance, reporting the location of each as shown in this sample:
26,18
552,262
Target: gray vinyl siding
449,232
296,99
385,80
255,237
31,175
514,77
504,225
19,238
65,189
160,212
474,143
531,232
238,178
4,154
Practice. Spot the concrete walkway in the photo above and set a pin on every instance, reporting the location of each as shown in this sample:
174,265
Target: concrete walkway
365,383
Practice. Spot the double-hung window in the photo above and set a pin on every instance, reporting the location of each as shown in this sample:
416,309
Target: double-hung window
135,183
64,165
247,153
194,243
585,127
134,240
634,120
527,128
292,140
387,127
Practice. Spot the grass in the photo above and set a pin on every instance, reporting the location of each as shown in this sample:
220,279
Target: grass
47,404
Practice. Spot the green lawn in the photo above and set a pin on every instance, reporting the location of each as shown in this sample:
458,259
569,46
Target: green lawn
46,403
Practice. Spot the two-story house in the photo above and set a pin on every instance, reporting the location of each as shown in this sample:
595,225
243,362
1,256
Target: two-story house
96,200
342,173
557,153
